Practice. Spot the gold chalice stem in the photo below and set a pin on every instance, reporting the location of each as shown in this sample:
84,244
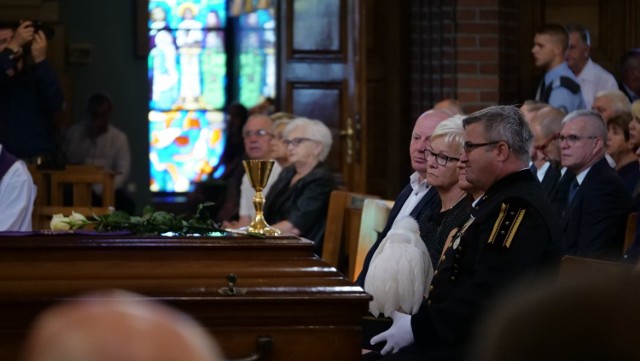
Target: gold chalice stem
258,172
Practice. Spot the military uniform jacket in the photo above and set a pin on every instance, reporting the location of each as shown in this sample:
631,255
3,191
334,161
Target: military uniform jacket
511,233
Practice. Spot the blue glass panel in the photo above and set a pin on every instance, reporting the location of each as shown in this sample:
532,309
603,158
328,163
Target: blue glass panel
257,56
183,14
184,148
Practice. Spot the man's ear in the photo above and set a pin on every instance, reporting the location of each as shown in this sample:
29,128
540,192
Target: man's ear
503,151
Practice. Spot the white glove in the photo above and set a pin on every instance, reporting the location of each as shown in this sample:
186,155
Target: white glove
398,335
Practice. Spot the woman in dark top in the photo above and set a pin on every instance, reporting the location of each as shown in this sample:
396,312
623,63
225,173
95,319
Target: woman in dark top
622,150
454,204
298,200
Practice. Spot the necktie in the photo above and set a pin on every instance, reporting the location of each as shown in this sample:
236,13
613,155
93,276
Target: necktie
573,189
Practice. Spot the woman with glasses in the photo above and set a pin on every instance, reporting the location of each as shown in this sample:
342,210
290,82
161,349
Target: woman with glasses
298,200
622,151
279,150
451,212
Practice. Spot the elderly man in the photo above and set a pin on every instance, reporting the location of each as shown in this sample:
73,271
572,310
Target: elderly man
629,82
257,138
592,77
545,126
596,212
117,326
417,193
559,87
610,103
511,233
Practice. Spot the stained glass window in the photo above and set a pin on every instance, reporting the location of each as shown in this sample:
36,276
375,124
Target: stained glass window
257,56
188,72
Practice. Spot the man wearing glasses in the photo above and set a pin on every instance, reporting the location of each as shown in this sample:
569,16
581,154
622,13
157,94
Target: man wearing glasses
596,210
512,233
256,144
545,126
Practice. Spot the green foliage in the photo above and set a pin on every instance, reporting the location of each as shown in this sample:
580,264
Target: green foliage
155,222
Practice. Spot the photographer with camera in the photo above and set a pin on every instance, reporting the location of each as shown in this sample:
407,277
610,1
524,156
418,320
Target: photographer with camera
30,94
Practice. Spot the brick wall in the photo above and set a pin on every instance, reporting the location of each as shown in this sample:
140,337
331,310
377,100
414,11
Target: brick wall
465,49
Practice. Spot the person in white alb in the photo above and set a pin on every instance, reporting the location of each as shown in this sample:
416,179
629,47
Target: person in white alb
17,193
592,77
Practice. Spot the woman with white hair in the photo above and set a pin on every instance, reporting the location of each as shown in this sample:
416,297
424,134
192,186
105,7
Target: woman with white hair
297,202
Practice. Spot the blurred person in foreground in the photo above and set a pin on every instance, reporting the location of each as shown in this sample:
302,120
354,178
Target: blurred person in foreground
586,316
298,200
117,326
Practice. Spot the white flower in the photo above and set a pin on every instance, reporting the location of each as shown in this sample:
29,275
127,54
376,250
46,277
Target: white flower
60,223
77,218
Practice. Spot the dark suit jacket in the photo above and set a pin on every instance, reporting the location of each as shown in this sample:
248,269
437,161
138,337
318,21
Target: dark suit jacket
550,180
397,206
560,193
625,91
594,223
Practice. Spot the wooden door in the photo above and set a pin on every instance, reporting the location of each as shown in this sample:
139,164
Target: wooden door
319,67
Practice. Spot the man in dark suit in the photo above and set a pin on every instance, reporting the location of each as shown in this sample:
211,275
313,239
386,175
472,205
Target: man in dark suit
630,69
512,233
545,126
598,203
417,193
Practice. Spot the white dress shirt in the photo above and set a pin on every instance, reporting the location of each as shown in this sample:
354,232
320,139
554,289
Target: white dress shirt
420,188
247,192
593,79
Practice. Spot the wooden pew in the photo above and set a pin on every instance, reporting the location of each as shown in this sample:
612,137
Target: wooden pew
282,293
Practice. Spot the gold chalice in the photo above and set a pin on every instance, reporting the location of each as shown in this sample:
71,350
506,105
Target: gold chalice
258,172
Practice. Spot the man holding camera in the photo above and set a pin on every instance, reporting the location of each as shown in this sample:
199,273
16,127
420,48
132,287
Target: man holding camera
30,94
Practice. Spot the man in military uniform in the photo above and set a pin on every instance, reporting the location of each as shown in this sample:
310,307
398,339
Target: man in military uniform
510,235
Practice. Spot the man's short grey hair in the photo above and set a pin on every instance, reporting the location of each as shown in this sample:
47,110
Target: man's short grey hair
451,130
596,123
505,123
619,101
315,130
581,30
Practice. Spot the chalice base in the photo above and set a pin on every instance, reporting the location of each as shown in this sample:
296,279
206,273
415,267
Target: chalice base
262,228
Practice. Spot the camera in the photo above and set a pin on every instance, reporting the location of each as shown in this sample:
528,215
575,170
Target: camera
47,30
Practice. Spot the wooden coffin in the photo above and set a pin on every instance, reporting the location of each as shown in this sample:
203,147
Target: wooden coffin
283,295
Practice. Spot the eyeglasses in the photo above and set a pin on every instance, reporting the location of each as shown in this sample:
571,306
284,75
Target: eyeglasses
441,159
572,138
258,133
546,143
470,147
295,141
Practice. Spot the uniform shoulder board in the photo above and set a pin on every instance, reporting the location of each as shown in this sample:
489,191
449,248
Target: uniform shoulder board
504,229
569,84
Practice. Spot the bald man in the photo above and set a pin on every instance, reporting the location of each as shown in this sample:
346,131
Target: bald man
413,198
117,326
545,126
